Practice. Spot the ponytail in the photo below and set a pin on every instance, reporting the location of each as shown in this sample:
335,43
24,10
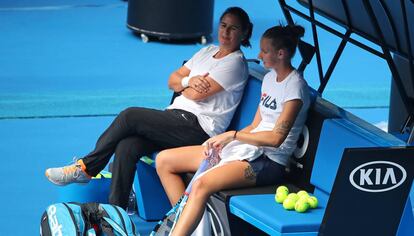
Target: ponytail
248,33
286,37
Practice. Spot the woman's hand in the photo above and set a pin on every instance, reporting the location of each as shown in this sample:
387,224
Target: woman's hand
199,83
221,140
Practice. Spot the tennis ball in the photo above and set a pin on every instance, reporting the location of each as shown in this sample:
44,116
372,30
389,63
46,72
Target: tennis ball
313,202
303,198
293,196
289,204
301,206
280,197
302,193
282,189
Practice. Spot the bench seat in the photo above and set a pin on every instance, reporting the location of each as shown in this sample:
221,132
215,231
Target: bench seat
264,213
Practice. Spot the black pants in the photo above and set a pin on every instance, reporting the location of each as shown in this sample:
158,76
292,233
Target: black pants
136,132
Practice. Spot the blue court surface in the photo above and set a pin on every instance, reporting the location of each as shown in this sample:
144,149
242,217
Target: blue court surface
67,67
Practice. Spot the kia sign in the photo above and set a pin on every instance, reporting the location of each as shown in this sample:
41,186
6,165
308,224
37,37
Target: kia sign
370,193
377,176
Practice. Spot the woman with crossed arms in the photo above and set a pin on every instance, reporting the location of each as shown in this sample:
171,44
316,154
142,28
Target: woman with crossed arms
211,85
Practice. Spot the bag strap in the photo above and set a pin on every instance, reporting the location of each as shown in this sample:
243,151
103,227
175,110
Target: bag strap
115,226
120,217
72,216
87,224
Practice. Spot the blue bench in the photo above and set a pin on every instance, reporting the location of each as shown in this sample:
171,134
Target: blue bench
342,131
331,131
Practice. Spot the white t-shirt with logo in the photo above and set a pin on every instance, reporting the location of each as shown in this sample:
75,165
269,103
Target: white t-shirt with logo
231,72
273,98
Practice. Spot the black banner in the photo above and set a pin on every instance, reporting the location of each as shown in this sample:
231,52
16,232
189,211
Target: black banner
370,192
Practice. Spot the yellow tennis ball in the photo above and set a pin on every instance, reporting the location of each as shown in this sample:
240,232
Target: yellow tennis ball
293,196
303,198
282,189
280,197
313,202
302,193
301,206
289,204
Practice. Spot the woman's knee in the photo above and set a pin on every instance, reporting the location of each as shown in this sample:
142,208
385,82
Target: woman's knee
162,161
132,114
127,111
201,188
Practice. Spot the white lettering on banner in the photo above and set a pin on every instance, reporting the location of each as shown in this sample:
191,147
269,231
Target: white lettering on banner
384,179
54,224
364,177
389,174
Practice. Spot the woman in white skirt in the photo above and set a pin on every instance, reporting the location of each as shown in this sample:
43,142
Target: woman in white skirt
256,155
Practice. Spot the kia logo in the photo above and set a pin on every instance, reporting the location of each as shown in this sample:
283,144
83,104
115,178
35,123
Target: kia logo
377,176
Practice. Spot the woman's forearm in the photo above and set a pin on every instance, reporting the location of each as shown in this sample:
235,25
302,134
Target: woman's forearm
262,138
174,82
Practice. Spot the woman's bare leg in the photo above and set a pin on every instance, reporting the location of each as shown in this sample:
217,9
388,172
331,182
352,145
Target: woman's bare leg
171,163
232,175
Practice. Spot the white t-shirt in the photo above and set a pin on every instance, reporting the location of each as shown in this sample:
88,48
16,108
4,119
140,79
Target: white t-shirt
274,96
215,112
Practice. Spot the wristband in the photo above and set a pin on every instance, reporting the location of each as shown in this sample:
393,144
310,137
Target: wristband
185,81
234,135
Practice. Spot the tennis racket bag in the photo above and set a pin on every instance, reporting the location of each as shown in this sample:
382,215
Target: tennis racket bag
86,219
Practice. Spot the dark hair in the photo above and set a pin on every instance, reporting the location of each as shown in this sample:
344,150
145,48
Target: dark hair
246,25
286,37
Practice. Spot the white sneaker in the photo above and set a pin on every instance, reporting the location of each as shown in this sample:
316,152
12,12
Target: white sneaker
74,173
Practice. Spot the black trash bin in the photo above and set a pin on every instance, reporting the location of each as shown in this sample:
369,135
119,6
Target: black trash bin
171,19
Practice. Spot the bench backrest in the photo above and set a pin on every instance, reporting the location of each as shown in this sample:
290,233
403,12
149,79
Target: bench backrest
246,110
345,131
300,174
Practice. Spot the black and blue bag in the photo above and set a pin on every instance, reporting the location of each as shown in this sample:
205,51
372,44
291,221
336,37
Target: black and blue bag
86,219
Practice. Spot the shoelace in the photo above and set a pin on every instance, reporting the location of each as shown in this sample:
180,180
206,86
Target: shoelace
74,169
